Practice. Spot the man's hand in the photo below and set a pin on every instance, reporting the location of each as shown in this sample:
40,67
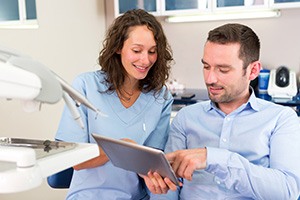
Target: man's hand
185,162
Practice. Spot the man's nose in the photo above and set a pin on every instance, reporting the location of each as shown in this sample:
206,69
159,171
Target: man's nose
210,77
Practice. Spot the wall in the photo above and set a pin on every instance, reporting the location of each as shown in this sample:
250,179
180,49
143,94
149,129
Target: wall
68,41
280,44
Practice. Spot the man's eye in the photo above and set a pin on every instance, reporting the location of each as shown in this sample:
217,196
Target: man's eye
224,70
205,67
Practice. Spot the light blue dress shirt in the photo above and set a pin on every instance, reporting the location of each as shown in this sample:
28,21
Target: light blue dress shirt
252,153
146,122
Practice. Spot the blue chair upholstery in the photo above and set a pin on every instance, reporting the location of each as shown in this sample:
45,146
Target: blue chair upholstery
61,180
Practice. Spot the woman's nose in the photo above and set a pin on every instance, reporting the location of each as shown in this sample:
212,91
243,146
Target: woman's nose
145,58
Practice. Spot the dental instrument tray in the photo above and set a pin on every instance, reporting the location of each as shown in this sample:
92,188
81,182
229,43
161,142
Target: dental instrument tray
42,148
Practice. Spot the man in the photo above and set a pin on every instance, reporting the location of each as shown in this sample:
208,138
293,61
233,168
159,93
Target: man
234,146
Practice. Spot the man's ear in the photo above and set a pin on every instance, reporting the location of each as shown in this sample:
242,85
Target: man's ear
255,68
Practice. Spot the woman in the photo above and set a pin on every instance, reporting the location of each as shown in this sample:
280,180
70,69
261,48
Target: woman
130,90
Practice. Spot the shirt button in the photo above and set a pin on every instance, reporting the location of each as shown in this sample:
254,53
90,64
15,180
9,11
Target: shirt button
224,140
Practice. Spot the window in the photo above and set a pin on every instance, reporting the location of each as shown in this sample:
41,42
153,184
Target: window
148,5
181,5
18,14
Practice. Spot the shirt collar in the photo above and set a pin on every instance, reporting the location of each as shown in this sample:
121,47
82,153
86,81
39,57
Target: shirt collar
251,103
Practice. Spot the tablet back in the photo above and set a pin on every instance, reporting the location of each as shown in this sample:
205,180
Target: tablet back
135,157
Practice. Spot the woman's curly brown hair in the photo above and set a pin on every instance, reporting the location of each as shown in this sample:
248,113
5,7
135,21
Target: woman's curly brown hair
110,60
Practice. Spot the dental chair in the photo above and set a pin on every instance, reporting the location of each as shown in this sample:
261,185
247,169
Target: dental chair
61,180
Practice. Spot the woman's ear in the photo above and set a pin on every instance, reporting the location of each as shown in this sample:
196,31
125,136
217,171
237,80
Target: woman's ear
254,70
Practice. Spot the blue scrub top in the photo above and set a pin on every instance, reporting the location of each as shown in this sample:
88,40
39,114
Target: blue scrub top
146,122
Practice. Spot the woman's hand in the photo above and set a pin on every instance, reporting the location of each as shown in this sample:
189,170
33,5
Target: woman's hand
129,140
94,162
158,185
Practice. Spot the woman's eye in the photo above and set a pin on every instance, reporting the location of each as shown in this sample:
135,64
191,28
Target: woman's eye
152,52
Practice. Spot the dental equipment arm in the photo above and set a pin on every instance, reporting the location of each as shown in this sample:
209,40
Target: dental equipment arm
23,78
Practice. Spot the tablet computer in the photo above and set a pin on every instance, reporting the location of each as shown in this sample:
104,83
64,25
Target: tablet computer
136,158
